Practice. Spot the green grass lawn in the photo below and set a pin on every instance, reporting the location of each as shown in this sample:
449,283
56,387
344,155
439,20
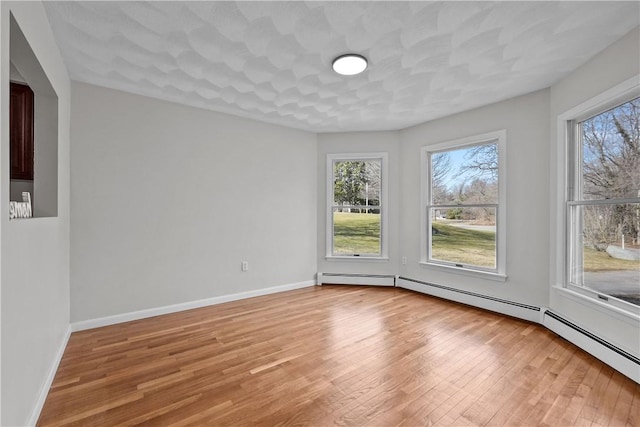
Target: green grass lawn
595,261
356,233
359,233
455,244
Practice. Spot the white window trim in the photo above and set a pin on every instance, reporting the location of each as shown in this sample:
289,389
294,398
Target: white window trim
384,209
566,127
499,274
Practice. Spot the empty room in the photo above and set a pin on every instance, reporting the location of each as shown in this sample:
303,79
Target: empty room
319,213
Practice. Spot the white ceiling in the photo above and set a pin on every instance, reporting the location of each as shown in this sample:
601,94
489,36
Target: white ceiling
271,61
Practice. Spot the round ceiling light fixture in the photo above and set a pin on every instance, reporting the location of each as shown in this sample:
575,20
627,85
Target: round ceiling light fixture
349,64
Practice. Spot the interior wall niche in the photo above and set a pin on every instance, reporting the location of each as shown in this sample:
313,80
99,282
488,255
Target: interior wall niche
34,142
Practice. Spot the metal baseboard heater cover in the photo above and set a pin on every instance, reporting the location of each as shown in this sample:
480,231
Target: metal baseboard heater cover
596,338
499,305
609,353
474,294
357,279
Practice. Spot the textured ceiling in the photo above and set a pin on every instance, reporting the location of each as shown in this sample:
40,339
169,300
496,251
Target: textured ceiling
271,61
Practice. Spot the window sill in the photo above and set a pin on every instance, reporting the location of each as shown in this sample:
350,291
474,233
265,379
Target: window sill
496,277
31,219
356,258
590,299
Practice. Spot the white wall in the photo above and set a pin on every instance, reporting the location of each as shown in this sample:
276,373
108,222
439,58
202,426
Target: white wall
14,74
168,200
525,119
45,169
360,142
34,266
614,65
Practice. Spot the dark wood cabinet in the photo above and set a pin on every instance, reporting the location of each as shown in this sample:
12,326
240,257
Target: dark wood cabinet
21,130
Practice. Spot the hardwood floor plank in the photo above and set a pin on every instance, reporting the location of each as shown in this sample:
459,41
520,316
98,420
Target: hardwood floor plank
634,413
623,405
334,355
159,410
596,395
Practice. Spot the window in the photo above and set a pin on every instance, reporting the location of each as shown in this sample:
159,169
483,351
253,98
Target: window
357,195
603,203
464,207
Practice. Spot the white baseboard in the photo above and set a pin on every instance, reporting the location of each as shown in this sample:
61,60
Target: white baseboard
46,385
151,312
356,279
510,308
613,356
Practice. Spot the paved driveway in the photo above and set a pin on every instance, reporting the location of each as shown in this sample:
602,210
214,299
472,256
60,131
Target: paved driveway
621,284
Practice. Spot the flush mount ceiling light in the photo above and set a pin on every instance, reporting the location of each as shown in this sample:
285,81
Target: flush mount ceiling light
349,64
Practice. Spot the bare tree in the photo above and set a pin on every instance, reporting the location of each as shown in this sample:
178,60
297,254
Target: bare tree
600,226
611,170
440,168
482,162
480,191
373,179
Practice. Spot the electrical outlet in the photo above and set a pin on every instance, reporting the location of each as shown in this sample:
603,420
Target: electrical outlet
404,260
245,265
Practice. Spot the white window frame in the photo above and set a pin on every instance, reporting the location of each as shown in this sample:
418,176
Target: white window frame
384,189
568,173
499,273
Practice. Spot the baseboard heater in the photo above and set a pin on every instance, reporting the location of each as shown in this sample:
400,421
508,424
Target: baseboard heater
356,279
614,356
499,305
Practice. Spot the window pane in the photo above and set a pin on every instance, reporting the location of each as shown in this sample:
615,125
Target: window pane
611,153
610,259
355,231
464,235
357,182
465,176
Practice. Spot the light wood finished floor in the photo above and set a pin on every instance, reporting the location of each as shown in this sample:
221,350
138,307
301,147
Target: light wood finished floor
334,355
